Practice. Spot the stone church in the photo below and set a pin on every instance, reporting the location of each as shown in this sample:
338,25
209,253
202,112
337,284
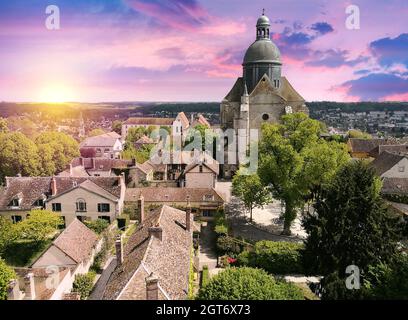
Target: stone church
261,94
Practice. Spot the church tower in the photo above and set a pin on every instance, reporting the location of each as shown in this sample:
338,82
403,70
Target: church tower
262,94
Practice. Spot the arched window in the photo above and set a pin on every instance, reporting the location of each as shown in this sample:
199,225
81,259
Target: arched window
80,205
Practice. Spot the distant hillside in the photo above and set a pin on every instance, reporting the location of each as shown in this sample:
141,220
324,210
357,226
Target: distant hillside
357,106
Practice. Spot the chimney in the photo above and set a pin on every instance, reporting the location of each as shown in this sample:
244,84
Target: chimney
29,286
53,186
140,205
152,287
192,118
157,232
70,170
13,291
119,250
188,216
133,162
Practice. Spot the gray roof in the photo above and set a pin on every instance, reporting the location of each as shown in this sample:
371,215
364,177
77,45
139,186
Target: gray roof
385,161
104,140
262,51
263,21
286,91
395,186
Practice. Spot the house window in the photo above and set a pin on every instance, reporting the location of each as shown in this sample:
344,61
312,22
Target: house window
107,218
103,207
14,203
82,218
401,168
207,213
63,224
16,219
80,205
56,207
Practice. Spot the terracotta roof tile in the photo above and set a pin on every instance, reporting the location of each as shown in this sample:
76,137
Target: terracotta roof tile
77,241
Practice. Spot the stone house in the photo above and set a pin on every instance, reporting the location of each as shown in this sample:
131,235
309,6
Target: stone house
364,148
390,165
70,254
155,263
204,201
201,175
107,145
71,197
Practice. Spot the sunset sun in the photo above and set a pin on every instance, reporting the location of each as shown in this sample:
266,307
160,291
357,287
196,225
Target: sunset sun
56,94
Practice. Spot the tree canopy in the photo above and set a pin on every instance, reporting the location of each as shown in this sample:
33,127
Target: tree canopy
350,226
294,161
251,191
57,151
39,225
6,275
248,284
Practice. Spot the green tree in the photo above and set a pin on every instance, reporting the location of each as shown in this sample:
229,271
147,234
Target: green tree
117,126
57,151
39,225
248,284
350,226
3,125
6,275
294,161
98,225
18,154
7,233
251,191
354,133
133,135
96,132
388,281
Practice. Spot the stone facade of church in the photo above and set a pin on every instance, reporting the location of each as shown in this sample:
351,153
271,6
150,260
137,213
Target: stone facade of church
261,94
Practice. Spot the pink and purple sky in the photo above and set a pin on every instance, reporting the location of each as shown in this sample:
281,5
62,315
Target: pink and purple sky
192,50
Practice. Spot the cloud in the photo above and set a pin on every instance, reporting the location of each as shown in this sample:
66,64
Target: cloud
390,51
334,58
322,27
376,86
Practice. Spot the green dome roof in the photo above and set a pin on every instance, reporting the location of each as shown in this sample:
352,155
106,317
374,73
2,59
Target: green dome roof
262,51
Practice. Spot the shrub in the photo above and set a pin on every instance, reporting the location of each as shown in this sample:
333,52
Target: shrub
98,225
274,257
83,284
205,276
221,229
225,244
247,284
6,274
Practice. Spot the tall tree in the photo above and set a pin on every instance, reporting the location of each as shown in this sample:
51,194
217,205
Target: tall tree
6,275
62,147
350,225
294,161
117,126
39,226
18,155
251,191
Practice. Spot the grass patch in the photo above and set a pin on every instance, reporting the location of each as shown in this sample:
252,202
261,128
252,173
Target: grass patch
23,253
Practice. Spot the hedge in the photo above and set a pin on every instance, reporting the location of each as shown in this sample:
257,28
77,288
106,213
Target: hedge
274,257
205,276
248,284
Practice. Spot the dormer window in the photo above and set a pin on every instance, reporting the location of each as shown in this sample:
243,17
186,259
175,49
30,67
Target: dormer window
208,197
14,203
39,203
